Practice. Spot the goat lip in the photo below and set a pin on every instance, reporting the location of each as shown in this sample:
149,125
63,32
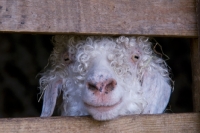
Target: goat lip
102,108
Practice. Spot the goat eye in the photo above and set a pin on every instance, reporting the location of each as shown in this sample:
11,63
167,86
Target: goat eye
66,59
135,58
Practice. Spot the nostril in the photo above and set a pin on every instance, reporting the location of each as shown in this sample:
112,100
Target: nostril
110,86
92,87
105,86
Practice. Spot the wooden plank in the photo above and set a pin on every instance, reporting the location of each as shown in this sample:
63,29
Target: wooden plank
198,22
170,123
195,61
133,17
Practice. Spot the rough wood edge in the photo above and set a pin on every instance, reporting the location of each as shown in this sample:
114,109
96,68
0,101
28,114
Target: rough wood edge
173,123
155,18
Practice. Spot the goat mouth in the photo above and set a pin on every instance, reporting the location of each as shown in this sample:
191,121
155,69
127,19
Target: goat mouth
102,108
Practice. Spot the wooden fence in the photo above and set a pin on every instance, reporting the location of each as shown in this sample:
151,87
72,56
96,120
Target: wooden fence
166,18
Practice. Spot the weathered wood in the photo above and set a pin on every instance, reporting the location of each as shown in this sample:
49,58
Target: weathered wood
195,61
170,123
198,22
132,17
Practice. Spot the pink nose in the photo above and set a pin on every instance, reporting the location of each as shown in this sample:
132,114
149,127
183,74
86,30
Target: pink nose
104,86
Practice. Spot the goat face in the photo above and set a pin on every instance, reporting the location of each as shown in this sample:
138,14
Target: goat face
105,77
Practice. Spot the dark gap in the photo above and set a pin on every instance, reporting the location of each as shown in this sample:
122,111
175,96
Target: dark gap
23,56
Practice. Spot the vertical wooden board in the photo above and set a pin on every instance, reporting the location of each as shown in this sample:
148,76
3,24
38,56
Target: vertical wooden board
195,62
135,17
198,22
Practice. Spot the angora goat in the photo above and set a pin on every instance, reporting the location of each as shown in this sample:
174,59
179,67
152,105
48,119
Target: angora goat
104,77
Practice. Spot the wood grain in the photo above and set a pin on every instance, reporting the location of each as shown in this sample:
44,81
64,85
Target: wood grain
165,123
129,17
195,62
198,22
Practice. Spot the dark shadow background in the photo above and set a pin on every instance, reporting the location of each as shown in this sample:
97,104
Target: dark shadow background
23,56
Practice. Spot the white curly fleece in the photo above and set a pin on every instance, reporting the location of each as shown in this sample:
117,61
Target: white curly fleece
142,78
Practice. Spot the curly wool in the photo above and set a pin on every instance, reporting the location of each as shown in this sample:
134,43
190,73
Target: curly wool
82,49
74,44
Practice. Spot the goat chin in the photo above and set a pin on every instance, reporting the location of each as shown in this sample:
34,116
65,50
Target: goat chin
105,77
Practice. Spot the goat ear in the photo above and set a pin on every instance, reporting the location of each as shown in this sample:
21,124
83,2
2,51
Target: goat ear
156,90
50,97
